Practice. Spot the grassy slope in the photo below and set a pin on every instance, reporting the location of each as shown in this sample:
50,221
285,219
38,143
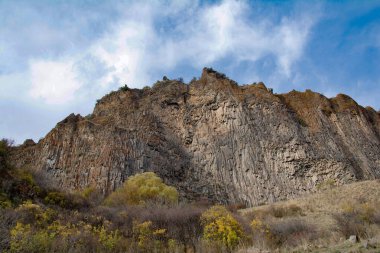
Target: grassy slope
319,208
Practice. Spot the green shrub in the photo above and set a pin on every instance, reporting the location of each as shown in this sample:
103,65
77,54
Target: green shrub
55,198
20,186
5,146
124,88
141,189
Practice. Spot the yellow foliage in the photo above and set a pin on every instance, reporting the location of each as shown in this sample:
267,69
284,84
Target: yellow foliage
109,239
23,239
56,198
175,246
258,226
41,216
87,191
18,235
26,177
4,201
143,233
221,227
141,189
147,237
29,207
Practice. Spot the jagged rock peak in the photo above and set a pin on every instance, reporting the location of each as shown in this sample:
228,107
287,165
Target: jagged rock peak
211,72
212,139
72,118
28,142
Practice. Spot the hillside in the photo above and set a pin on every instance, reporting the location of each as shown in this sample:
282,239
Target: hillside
333,214
211,139
145,215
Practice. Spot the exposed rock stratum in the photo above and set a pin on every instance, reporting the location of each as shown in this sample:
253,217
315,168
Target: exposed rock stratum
212,139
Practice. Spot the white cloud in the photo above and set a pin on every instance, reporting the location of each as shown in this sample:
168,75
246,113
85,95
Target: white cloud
124,53
135,48
156,38
53,81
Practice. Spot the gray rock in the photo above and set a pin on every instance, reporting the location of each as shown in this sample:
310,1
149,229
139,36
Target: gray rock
353,239
212,139
372,243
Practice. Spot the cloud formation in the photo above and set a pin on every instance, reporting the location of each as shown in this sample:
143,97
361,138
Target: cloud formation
53,81
67,54
137,48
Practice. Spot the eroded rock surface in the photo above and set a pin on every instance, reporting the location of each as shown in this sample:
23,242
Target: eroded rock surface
212,139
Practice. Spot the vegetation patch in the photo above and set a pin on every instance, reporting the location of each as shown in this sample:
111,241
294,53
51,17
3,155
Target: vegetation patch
142,189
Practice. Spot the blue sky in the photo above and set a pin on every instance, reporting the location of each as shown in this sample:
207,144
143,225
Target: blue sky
58,57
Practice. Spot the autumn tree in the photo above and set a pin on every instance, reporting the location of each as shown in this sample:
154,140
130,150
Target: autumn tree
221,227
141,189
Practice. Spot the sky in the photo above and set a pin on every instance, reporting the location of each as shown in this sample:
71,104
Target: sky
58,57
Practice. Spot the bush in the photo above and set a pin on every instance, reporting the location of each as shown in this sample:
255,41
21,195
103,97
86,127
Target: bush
92,195
54,235
147,237
277,211
142,189
108,239
182,223
56,198
355,218
349,223
221,227
124,88
20,186
24,239
291,232
286,211
5,202
5,146
261,231
288,232
8,219
66,200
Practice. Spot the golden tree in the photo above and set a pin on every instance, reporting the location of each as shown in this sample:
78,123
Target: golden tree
141,189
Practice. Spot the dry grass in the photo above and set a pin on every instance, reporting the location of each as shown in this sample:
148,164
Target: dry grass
331,200
333,214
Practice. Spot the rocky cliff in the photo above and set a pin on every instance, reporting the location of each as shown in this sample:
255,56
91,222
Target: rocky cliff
212,139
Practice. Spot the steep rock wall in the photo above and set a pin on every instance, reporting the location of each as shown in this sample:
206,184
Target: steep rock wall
212,139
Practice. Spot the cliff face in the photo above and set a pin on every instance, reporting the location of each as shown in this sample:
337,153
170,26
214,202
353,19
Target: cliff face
213,139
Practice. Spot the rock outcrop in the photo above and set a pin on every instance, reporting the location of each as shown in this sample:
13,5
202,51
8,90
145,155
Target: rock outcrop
212,139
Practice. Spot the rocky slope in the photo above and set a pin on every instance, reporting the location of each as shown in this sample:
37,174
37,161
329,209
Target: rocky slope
212,139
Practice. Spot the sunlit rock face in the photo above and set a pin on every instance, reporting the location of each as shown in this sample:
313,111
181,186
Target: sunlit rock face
212,139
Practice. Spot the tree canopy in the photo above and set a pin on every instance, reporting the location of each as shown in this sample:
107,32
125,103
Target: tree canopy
141,189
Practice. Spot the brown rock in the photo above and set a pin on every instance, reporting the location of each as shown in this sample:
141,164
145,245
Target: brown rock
213,139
